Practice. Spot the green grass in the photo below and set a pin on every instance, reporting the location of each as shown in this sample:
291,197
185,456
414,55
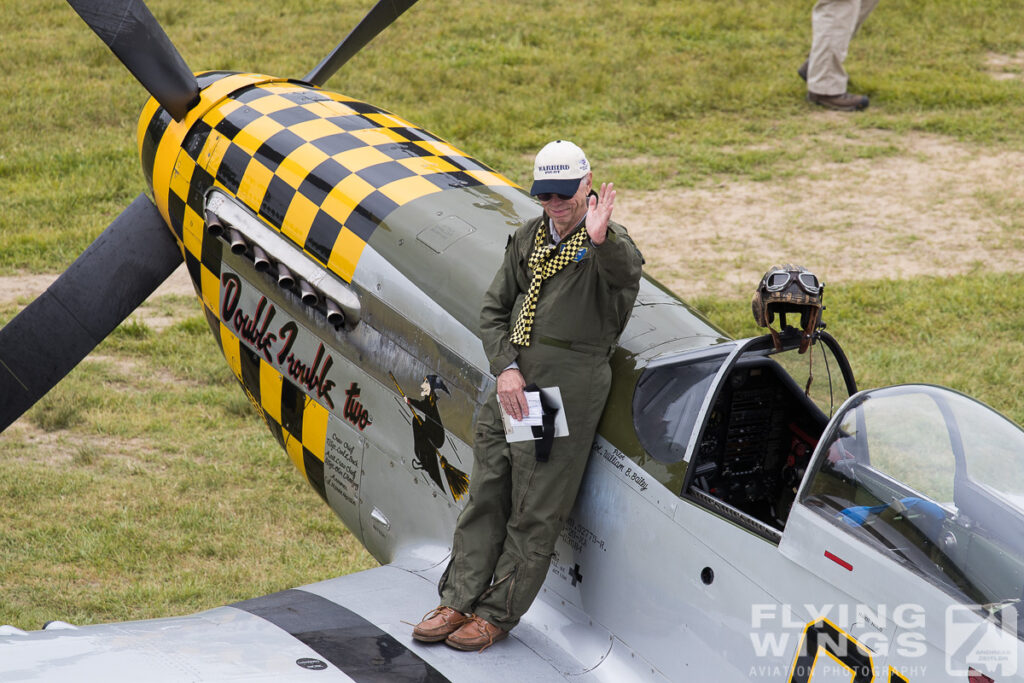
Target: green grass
146,485
697,90
964,332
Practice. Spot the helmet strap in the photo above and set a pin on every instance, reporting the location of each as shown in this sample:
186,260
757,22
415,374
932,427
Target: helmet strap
812,324
810,374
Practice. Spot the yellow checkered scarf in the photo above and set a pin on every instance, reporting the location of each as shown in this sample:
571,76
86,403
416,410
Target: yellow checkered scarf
545,260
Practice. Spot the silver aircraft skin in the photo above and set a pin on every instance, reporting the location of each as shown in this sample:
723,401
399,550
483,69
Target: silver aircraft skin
746,514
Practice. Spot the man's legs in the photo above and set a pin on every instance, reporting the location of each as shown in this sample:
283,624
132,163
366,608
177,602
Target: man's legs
833,24
543,496
480,531
543,493
517,505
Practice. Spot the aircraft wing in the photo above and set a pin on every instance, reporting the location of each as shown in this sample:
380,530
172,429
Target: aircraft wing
352,628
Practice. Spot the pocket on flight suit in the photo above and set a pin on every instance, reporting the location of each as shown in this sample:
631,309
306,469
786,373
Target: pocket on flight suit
524,466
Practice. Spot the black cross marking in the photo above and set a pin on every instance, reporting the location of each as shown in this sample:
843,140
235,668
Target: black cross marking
577,577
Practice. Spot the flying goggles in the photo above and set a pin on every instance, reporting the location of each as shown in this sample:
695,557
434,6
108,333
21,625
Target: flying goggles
777,280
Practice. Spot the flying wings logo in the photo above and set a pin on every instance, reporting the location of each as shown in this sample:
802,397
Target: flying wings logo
861,640
987,646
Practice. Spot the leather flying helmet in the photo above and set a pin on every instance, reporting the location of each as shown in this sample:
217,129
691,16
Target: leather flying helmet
788,288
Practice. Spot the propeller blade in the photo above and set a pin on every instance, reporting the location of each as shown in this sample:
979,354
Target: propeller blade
101,288
134,35
383,14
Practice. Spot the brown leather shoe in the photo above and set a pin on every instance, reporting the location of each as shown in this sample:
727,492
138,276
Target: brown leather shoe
438,624
477,634
844,102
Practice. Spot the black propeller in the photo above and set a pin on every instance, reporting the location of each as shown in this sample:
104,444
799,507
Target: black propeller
383,14
136,252
101,288
134,35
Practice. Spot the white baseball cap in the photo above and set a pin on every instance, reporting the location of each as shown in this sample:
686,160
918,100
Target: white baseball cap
559,167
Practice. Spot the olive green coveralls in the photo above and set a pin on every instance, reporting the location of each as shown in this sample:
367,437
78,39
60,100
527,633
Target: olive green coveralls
518,505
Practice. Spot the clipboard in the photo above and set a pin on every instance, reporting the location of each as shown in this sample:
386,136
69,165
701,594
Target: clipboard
523,430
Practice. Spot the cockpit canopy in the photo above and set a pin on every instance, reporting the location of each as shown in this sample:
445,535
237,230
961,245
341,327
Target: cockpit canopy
926,476
933,479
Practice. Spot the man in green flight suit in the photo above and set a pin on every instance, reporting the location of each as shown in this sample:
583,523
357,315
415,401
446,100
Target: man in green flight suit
551,317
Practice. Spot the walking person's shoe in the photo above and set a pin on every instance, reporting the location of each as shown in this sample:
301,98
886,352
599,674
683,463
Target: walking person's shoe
438,624
477,634
844,102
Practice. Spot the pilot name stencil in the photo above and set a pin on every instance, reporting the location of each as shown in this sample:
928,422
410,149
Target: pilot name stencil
288,347
618,460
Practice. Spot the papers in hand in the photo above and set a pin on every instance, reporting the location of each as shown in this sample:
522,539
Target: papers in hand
529,428
534,412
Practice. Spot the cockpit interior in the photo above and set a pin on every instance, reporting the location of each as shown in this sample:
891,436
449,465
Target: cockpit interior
761,414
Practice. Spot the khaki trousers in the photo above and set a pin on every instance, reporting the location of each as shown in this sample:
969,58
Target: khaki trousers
517,505
833,25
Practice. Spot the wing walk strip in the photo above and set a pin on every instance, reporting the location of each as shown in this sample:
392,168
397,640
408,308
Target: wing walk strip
360,649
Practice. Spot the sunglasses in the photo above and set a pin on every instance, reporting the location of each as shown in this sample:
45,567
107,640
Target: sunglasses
548,196
780,279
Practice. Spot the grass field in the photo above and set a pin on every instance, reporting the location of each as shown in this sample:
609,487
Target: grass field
145,485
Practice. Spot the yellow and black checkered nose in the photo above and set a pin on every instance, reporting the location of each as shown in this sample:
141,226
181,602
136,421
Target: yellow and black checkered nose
545,261
323,169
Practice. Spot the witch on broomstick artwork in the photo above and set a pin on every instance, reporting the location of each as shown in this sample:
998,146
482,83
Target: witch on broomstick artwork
428,437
